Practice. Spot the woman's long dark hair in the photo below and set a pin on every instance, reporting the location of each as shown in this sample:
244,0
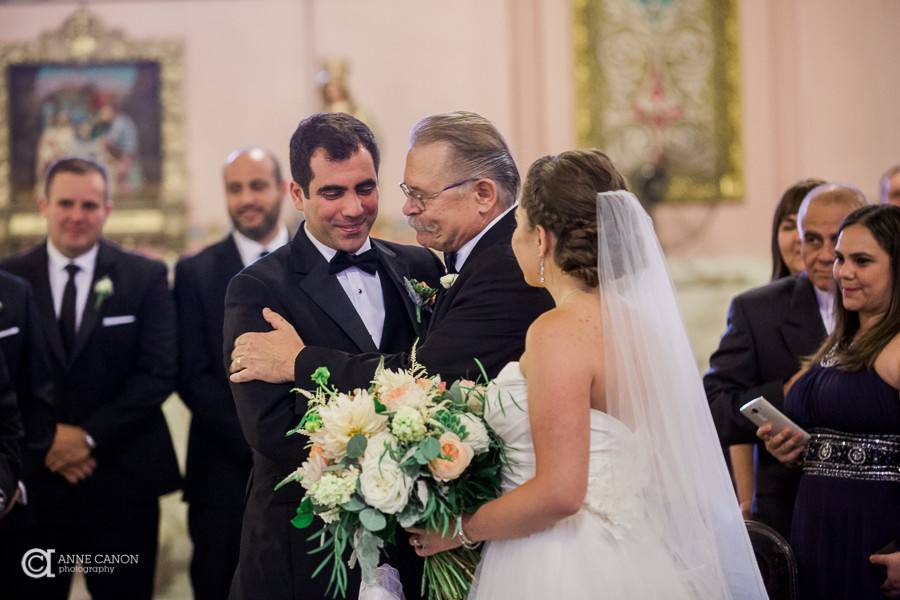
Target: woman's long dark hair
883,222
788,205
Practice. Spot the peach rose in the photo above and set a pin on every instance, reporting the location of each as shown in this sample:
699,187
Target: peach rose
459,454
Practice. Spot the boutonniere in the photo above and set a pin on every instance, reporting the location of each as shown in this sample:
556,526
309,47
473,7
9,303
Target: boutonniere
448,280
422,295
103,289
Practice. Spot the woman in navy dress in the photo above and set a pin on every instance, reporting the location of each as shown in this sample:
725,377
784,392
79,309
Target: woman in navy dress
847,514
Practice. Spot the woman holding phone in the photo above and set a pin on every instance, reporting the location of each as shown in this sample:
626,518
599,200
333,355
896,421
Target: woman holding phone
847,513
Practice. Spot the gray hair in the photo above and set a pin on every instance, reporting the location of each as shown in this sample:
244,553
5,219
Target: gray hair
478,149
831,193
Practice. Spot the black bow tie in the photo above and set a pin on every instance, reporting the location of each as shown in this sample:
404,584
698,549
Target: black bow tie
450,262
367,261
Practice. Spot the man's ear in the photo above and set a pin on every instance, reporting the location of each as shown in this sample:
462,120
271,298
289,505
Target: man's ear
297,196
486,194
43,204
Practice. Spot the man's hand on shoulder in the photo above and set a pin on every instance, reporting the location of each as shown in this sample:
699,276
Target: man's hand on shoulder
269,356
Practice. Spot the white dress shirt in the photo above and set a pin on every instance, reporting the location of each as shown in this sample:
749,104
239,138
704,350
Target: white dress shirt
463,253
56,269
250,250
826,308
363,290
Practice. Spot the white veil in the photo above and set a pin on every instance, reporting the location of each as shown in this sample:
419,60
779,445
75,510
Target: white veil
653,386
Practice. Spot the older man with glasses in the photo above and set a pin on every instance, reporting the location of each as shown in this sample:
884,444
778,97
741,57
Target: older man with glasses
461,185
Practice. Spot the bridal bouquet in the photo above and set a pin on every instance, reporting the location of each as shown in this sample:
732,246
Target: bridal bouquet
410,451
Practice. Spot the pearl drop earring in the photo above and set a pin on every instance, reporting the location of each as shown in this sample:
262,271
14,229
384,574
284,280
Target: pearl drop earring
541,270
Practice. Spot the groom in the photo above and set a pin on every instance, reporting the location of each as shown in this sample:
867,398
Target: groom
461,185
343,290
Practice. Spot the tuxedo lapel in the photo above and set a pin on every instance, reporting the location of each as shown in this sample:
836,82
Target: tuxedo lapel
40,282
500,233
231,263
325,290
803,329
104,268
388,258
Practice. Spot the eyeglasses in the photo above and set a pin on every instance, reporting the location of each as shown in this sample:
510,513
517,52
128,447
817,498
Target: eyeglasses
419,198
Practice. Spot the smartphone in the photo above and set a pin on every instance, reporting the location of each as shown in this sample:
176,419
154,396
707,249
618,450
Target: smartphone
760,411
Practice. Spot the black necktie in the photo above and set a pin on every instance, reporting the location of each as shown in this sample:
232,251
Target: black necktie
367,261
450,262
67,313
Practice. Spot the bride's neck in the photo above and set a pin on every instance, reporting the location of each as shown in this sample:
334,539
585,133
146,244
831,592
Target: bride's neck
564,288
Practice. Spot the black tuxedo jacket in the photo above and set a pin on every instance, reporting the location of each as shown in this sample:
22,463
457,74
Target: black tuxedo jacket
23,348
11,435
122,367
218,457
483,315
294,281
770,329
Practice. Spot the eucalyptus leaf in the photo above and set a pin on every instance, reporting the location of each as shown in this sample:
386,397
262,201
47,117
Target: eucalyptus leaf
455,392
372,519
354,504
430,448
357,446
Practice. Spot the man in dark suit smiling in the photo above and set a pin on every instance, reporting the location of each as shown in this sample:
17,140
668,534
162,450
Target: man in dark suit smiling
110,323
342,289
218,458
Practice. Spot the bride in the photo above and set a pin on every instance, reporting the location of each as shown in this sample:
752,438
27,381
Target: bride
615,486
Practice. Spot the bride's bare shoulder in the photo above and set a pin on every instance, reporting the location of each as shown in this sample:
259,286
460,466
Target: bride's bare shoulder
567,331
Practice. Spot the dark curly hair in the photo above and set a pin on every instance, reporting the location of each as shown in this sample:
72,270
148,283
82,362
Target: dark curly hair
339,134
560,195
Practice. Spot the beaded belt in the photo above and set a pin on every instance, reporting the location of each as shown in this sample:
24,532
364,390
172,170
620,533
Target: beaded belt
870,457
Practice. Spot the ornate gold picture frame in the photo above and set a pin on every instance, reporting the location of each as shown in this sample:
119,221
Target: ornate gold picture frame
658,89
90,91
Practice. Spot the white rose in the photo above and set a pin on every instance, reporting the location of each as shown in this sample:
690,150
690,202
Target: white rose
448,280
476,433
383,483
376,444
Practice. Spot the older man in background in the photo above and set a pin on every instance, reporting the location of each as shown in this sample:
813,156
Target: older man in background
770,329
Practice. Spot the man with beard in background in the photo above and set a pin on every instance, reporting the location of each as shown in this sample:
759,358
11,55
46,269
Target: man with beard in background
219,460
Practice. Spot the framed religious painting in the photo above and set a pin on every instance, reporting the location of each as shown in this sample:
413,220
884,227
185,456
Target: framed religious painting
658,89
87,91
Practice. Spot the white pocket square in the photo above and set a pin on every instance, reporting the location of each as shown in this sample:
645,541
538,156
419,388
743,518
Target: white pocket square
120,320
9,332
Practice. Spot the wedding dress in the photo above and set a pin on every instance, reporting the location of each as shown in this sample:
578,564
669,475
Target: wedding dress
659,518
606,550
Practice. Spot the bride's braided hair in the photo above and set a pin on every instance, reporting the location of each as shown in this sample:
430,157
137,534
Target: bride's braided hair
560,195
